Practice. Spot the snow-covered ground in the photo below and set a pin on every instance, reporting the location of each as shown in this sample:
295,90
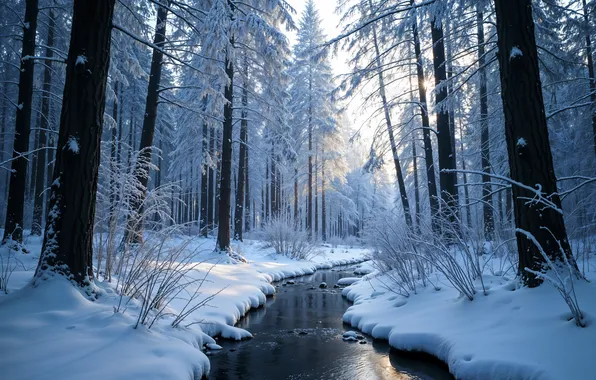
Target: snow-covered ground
511,333
53,332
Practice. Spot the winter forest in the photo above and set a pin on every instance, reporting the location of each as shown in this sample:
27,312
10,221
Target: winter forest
184,183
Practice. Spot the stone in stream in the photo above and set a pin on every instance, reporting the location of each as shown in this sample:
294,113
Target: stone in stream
302,333
362,342
290,282
336,286
323,285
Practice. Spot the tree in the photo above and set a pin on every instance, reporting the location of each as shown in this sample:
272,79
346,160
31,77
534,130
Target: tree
242,170
487,206
43,139
68,238
16,194
530,157
311,102
148,132
447,176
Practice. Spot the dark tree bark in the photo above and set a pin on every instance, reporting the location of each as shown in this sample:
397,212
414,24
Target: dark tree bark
247,207
323,211
465,179
113,152
387,113
4,132
223,231
239,213
38,203
530,157
204,183
590,62
309,224
447,179
32,169
13,227
487,205
296,213
428,148
211,182
135,224
68,238
266,205
316,191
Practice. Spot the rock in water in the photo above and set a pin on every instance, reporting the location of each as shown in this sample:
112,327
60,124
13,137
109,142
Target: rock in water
323,285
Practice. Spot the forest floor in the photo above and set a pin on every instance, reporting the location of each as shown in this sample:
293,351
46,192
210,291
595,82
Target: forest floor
512,332
53,331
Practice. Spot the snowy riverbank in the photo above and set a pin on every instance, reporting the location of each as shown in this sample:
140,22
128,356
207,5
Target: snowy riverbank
511,333
53,332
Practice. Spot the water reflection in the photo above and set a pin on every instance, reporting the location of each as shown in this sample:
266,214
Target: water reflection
298,336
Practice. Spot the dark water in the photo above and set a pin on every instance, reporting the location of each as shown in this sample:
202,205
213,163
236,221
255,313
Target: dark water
278,350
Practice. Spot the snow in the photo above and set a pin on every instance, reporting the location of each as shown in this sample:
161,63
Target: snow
53,331
512,333
347,280
521,142
515,52
81,60
73,144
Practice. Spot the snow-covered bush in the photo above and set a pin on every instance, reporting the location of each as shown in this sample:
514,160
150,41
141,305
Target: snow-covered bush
560,275
114,206
395,256
8,264
157,272
288,240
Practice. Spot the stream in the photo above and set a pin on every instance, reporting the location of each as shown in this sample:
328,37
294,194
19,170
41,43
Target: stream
298,335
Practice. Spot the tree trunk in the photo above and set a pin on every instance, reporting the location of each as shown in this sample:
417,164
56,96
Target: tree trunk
428,148
204,182
223,231
68,238
387,112
4,134
266,205
247,207
590,69
465,178
310,153
530,157
487,204
323,211
448,180
296,213
113,151
211,182
316,191
18,178
239,214
135,222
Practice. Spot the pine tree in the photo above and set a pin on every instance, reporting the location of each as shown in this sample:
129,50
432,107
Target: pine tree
68,238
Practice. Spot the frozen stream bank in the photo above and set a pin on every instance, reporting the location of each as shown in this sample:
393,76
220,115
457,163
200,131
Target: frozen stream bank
298,335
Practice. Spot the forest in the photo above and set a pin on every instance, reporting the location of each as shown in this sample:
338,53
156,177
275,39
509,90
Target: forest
149,147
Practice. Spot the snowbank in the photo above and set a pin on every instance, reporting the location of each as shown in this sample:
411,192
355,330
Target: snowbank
53,332
512,333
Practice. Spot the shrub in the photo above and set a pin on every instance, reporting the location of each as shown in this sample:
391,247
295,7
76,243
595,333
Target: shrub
288,240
